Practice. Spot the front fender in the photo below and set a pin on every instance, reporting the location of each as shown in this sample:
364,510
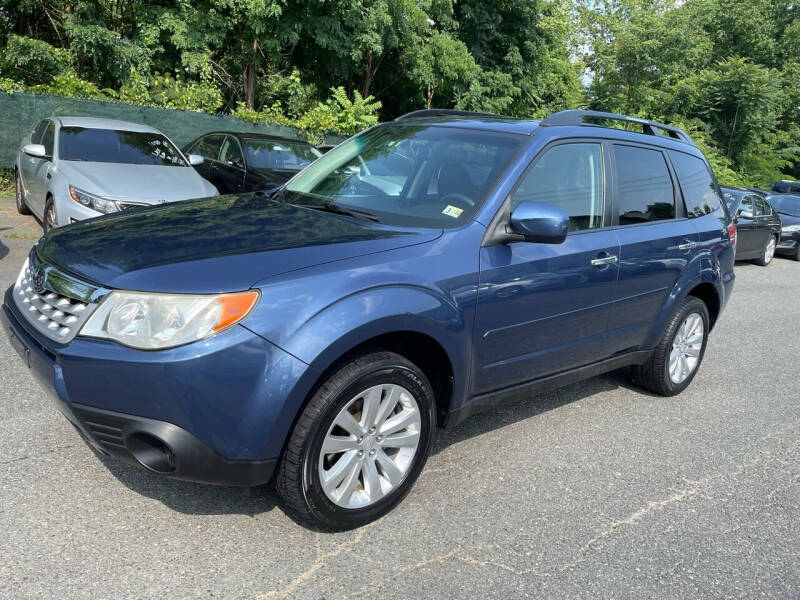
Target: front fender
704,268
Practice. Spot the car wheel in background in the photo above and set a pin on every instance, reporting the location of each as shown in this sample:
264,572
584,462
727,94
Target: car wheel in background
49,221
360,443
680,351
796,255
19,192
767,252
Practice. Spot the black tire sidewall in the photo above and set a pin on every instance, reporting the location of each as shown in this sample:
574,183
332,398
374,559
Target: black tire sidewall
49,206
318,503
20,194
692,305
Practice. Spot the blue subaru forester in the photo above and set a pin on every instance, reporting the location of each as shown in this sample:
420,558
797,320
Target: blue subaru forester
316,335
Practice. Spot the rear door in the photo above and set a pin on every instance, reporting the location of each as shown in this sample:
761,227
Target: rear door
656,241
543,308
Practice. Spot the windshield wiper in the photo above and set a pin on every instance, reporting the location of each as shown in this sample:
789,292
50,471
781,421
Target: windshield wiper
338,209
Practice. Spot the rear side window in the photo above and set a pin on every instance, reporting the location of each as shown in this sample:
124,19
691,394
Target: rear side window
569,176
644,186
699,191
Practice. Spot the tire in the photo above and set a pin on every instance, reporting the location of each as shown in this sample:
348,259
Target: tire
654,375
19,193
49,219
767,252
796,255
304,464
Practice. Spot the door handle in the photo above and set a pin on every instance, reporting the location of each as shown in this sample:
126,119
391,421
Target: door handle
604,260
687,245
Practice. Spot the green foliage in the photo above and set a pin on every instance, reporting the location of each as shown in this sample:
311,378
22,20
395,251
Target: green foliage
338,115
726,69
31,61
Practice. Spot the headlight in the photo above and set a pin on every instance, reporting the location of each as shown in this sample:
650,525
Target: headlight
157,321
789,228
99,204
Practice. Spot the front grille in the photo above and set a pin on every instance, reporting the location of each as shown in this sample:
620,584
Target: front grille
52,310
105,429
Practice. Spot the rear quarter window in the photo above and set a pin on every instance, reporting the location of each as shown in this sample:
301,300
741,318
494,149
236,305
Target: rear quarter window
697,185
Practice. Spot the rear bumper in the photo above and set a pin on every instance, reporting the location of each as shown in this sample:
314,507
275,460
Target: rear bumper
205,416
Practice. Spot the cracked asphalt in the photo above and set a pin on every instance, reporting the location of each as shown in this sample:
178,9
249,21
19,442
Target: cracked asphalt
597,490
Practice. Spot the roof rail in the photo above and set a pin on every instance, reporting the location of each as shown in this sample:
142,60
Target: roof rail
576,117
442,112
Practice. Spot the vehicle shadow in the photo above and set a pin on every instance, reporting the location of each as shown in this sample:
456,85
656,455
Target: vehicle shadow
191,498
3,250
196,499
513,411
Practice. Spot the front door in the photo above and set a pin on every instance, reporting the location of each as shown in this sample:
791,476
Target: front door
231,165
543,308
748,238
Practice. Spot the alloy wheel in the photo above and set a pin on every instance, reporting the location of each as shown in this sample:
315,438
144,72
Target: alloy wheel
686,347
370,447
18,193
50,218
769,251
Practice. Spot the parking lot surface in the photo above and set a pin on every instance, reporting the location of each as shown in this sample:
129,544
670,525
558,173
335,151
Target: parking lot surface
598,490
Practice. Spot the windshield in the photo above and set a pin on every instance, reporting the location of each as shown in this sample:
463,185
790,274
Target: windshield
115,146
279,154
789,205
423,176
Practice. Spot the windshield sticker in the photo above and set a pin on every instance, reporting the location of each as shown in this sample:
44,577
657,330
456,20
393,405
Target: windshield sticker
452,211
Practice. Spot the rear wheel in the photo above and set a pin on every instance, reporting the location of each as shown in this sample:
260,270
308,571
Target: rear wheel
767,252
680,351
22,205
360,443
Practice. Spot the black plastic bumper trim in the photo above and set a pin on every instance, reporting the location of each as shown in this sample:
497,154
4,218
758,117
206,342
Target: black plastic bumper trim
112,432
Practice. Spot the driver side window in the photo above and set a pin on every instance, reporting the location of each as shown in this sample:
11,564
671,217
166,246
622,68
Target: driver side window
569,176
231,153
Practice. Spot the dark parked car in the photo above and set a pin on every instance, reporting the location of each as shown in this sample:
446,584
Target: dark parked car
786,187
757,224
788,208
419,272
250,162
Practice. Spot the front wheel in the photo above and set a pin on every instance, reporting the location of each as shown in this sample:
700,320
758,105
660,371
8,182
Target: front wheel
49,222
22,204
359,444
680,351
767,252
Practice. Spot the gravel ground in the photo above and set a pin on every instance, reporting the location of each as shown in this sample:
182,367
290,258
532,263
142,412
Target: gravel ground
597,490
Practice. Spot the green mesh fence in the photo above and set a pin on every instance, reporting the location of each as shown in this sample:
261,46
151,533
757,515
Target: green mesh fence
20,112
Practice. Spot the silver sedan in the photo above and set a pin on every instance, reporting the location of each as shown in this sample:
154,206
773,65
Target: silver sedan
74,168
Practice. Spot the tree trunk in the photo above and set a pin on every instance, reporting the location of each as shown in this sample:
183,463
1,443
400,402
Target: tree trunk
368,74
249,80
429,97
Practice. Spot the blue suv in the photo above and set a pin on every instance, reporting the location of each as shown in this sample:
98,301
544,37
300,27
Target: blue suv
317,335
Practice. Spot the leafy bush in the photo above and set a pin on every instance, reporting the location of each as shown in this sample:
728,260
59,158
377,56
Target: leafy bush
32,62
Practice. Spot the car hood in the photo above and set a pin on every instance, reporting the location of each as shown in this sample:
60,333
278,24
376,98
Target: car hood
789,219
149,184
213,245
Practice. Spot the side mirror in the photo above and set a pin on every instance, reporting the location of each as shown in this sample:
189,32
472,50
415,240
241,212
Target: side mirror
35,150
195,159
745,214
542,223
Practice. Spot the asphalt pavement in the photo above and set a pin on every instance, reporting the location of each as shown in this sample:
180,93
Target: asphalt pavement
597,490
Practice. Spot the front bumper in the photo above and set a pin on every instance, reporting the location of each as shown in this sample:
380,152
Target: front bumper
214,413
789,243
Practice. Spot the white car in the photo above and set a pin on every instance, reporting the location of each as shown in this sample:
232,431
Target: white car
74,168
